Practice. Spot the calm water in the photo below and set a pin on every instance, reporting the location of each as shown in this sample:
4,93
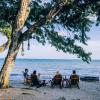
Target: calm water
47,68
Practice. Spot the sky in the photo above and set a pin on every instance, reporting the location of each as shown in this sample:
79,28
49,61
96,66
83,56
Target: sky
38,51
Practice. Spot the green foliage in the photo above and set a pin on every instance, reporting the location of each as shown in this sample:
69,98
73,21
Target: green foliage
8,10
73,17
5,29
66,44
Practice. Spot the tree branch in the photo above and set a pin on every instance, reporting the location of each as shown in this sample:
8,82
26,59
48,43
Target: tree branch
22,15
4,46
52,13
19,23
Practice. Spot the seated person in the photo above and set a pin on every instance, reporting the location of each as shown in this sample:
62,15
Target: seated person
57,80
34,78
36,81
25,74
74,79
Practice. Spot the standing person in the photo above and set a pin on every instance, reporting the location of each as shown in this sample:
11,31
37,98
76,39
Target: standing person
74,79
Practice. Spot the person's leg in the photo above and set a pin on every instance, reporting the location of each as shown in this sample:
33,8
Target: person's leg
60,83
34,83
38,84
43,83
52,83
70,83
78,85
27,81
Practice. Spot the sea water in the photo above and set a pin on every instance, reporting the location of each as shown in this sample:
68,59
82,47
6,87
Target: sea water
48,67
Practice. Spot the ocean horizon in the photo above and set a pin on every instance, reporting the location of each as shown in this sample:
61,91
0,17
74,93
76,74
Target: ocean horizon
48,67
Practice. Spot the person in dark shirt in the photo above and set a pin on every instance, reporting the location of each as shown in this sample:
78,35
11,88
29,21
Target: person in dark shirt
57,80
34,78
74,79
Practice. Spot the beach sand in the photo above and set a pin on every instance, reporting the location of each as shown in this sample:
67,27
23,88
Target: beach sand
87,91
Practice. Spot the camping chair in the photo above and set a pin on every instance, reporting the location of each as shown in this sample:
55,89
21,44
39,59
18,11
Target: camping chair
74,80
56,81
27,80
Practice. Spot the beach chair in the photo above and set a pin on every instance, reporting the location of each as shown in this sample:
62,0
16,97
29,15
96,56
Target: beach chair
56,81
74,81
27,80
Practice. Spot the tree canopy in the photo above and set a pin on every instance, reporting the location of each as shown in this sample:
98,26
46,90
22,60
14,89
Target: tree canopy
45,17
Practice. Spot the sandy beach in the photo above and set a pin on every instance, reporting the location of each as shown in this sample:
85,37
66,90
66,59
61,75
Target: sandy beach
87,91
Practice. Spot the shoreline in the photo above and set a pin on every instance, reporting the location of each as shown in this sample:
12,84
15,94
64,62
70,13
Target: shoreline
50,59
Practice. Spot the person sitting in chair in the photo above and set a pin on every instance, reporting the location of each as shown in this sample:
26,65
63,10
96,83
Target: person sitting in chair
57,80
26,75
34,78
74,79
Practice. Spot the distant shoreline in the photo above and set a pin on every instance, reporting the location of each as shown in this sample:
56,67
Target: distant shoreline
51,59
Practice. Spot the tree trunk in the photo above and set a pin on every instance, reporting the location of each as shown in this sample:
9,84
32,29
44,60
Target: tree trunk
9,60
15,43
9,63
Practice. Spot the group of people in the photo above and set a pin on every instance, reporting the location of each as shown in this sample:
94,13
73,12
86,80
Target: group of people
73,80
58,79
33,79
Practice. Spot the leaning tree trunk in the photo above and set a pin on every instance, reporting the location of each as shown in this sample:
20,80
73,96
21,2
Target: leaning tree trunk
9,63
15,43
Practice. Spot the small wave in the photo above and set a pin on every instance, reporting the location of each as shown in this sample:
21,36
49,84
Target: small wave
16,75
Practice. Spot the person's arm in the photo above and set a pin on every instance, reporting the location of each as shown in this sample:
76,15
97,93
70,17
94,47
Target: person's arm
53,78
70,78
61,77
78,77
